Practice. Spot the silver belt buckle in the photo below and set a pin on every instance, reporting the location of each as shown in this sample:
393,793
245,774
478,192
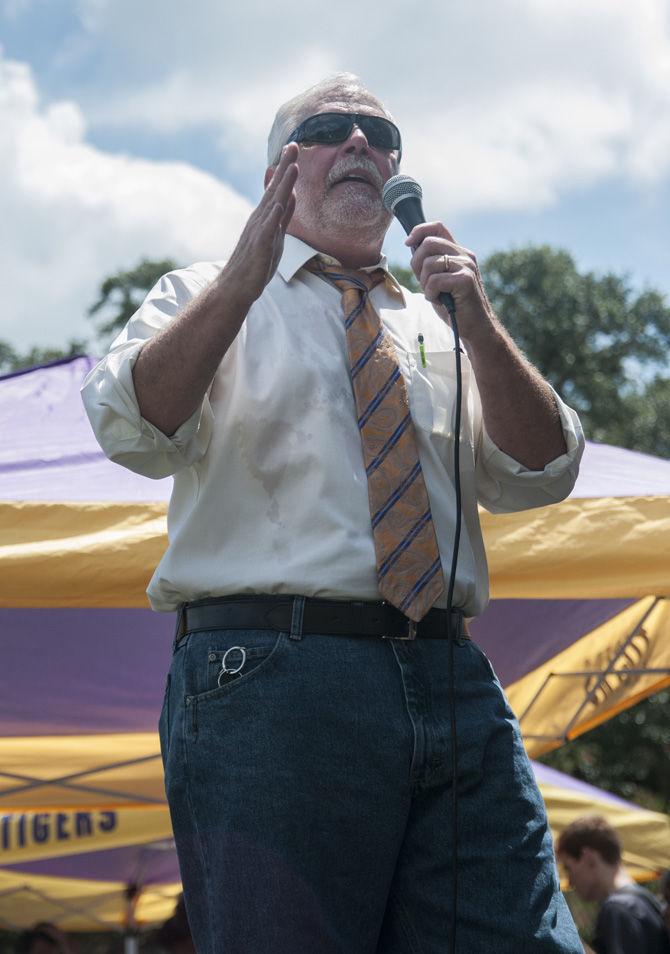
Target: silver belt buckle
411,632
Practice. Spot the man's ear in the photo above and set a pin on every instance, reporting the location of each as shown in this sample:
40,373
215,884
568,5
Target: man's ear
269,172
590,855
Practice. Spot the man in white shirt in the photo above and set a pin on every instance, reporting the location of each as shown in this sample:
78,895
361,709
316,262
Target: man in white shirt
307,731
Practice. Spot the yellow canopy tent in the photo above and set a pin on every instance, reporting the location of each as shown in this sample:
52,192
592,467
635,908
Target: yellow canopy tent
84,660
579,625
75,867
104,869
577,628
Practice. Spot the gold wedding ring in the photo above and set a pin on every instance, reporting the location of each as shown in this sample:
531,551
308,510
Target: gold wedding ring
446,261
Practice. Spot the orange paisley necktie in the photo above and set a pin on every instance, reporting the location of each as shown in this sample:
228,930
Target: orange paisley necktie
408,559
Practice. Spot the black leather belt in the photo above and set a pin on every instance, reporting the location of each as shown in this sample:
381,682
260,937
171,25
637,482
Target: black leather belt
309,616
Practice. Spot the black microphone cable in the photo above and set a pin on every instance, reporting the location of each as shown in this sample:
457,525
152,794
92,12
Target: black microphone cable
402,196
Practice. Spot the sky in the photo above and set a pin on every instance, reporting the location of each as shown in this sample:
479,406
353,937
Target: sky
137,128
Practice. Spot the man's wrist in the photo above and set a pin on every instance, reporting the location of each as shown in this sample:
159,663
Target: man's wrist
233,293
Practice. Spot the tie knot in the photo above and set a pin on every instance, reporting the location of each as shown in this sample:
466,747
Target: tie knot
346,279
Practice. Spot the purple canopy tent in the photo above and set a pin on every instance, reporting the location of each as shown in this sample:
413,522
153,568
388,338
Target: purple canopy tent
84,672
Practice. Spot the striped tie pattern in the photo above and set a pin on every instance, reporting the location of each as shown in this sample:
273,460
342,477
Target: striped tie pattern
408,559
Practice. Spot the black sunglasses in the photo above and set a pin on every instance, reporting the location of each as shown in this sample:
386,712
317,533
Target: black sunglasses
336,127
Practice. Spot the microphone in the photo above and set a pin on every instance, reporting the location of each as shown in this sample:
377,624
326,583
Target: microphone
402,196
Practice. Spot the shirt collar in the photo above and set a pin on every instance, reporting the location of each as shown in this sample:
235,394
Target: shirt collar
297,253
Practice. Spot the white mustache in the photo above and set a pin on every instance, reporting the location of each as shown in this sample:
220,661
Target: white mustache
351,164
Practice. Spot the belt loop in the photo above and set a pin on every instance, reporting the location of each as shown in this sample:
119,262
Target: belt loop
458,627
178,633
453,627
296,617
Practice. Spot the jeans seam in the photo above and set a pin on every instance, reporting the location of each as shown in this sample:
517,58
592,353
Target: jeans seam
415,729
406,925
166,724
193,814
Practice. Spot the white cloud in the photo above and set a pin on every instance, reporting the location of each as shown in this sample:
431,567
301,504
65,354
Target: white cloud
505,104
76,214
518,157
240,106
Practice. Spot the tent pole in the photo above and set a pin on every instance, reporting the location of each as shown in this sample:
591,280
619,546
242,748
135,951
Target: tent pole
611,668
131,944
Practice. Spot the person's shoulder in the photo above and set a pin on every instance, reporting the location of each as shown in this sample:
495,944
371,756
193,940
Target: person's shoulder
181,284
199,273
620,898
619,906
632,896
632,912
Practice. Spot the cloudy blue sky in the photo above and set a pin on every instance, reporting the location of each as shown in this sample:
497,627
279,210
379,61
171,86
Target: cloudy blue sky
133,128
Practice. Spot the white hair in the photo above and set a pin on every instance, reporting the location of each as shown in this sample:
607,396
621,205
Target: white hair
346,88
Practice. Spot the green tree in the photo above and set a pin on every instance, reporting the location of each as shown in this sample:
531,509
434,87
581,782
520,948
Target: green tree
590,336
601,345
8,358
121,294
602,757
405,276
593,339
11,360
645,423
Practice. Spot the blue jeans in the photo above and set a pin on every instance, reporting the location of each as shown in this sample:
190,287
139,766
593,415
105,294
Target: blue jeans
311,800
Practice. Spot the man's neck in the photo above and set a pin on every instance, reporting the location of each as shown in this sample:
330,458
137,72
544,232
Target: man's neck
622,879
607,879
351,252
615,878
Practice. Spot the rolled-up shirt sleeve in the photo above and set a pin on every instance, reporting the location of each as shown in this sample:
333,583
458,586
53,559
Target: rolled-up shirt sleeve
109,395
504,485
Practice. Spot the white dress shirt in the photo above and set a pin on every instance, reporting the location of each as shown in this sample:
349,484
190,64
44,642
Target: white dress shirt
270,493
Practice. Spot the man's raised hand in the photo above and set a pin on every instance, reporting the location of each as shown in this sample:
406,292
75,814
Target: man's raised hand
259,249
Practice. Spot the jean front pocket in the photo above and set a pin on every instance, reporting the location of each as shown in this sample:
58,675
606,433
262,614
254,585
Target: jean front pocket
221,662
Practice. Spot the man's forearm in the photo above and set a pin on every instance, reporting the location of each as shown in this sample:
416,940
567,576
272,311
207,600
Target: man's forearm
175,368
520,413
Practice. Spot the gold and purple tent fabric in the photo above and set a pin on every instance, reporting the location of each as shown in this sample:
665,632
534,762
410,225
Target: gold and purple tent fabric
579,624
577,630
74,867
82,805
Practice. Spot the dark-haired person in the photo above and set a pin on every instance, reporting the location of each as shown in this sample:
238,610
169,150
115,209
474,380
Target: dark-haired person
630,919
304,403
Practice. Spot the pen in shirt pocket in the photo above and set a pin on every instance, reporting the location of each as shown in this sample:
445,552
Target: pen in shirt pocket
422,350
